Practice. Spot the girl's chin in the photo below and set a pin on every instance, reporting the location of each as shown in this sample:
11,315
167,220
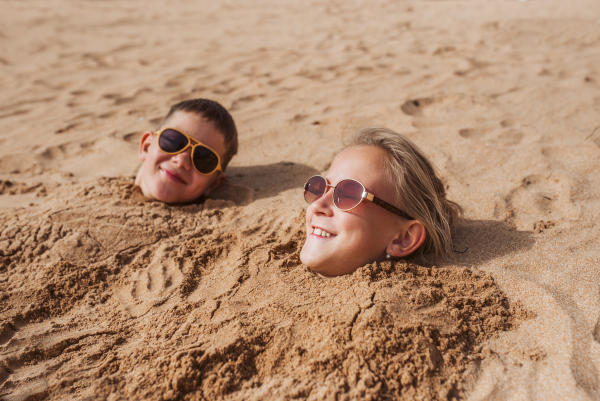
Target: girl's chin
324,276
322,271
319,272
331,272
321,262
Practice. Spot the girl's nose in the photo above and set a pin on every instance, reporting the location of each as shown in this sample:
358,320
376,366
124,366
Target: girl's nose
323,205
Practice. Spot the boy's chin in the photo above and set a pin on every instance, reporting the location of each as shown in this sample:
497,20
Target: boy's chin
167,196
174,199
166,191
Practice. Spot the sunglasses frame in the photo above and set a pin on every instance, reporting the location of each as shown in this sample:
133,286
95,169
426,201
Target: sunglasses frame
193,146
365,195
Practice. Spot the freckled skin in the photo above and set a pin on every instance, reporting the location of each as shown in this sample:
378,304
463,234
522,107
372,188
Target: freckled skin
363,234
172,178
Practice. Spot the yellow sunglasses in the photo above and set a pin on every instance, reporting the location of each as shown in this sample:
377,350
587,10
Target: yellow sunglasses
204,159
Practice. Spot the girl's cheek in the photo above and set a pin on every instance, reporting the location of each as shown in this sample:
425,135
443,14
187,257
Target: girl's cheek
308,214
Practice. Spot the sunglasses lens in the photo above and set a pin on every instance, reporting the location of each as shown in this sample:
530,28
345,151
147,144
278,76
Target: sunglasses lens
347,194
172,141
205,160
315,188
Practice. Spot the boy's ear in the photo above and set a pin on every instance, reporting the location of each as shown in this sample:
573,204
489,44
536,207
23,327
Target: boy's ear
409,240
216,183
145,142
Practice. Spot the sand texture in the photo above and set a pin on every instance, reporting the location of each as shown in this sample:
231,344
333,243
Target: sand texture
106,295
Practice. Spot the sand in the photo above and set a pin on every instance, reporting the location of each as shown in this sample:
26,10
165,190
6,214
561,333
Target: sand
105,295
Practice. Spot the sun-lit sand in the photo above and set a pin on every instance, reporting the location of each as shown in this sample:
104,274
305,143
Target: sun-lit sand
105,295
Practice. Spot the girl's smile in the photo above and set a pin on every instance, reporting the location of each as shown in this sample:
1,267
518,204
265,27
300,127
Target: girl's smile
319,232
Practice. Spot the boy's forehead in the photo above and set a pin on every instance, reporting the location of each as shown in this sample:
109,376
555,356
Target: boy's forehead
184,117
198,127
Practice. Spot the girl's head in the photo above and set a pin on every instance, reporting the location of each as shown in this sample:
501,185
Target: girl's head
392,168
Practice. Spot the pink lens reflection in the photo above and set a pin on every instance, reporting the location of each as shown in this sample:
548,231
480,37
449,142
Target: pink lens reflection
315,188
347,194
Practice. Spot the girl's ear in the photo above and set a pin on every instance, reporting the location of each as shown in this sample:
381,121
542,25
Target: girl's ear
145,143
409,240
216,183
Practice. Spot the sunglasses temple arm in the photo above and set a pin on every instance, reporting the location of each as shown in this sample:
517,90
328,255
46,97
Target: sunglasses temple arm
387,206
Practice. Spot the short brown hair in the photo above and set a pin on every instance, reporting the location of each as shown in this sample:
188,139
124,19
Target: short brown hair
216,113
419,189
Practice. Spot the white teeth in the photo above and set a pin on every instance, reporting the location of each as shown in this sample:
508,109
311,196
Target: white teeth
321,232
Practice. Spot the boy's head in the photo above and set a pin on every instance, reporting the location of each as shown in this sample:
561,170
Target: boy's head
172,177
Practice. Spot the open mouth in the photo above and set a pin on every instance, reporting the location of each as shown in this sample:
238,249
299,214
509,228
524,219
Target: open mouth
322,233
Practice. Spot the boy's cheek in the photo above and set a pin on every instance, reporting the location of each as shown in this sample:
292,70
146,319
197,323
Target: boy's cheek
149,155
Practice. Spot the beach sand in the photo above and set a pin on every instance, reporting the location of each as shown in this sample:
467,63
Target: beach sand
106,295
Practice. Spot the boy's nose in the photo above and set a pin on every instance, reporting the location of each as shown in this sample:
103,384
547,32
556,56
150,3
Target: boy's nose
183,159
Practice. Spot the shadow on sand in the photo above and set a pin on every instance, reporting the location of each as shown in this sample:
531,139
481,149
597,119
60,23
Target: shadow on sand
247,184
479,241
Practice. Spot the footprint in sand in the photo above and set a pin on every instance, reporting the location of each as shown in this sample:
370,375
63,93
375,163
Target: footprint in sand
415,107
471,133
132,137
299,117
238,103
153,283
507,137
67,128
119,99
155,121
108,114
79,92
66,150
538,202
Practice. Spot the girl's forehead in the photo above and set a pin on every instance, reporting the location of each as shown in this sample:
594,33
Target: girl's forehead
365,164
364,160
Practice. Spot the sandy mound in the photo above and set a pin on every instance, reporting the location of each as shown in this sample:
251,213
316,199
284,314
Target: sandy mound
96,285
110,295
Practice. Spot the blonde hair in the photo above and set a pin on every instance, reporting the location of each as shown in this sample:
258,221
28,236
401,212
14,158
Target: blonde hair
419,189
